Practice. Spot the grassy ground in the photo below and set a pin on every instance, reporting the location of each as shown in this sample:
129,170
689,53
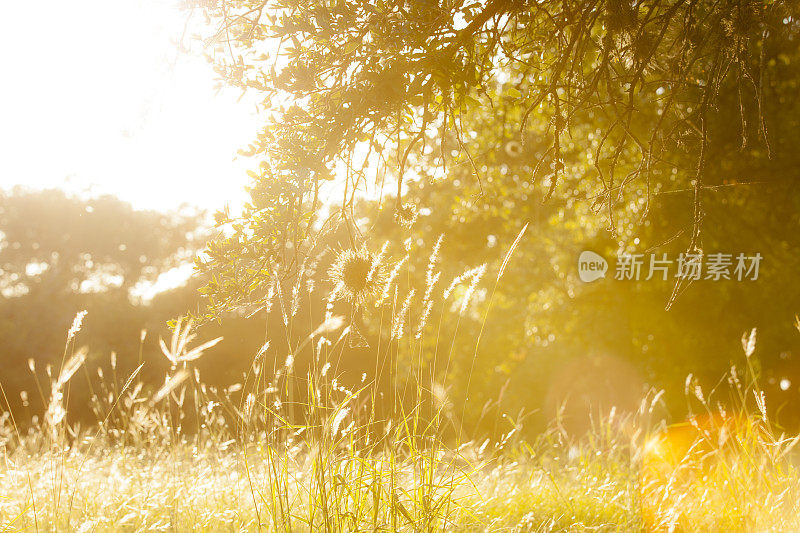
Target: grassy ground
715,474
261,456
186,489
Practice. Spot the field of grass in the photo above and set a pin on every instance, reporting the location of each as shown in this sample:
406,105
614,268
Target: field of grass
139,479
260,456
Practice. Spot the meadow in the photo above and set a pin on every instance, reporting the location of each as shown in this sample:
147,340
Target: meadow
291,450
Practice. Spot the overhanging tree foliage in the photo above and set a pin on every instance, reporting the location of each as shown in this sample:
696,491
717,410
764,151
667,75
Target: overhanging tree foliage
358,90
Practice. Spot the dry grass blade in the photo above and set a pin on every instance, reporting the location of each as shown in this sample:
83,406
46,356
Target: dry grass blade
71,366
168,353
197,352
749,343
181,336
171,384
176,335
331,324
184,337
511,251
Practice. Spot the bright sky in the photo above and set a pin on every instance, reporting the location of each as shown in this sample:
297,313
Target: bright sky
95,96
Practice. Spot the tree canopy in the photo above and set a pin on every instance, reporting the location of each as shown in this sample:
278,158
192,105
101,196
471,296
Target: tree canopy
614,101
661,126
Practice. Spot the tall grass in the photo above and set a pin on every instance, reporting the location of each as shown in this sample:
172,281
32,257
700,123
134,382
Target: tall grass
290,448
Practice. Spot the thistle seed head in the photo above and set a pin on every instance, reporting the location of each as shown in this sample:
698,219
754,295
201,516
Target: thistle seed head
358,276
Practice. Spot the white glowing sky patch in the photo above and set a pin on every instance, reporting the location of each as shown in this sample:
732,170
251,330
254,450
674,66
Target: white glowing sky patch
96,97
171,279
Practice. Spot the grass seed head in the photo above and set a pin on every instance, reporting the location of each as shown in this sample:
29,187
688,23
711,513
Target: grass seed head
405,215
358,275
